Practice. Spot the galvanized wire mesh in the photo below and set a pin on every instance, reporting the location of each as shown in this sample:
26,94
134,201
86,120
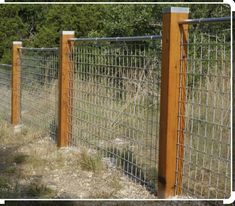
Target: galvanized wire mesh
5,91
115,103
39,89
205,124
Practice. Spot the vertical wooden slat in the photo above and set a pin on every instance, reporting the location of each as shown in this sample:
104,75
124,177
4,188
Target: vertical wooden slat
169,100
65,88
15,97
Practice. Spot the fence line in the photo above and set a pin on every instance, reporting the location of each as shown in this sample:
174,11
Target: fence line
206,112
113,39
39,88
205,20
5,91
115,103
157,108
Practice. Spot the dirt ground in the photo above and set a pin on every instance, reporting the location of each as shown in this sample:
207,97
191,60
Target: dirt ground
31,166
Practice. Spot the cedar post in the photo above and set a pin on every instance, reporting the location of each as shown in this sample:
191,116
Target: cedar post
65,88
15,96
170,96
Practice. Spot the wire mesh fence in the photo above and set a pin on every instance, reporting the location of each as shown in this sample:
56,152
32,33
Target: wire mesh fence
115,103
39,88
5,91
204,112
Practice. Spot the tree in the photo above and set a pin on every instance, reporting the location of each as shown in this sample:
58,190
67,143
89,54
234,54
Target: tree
40,25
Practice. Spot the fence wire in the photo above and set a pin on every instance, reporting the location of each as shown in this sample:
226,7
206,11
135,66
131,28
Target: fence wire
5,91
115,103
39,89
204,112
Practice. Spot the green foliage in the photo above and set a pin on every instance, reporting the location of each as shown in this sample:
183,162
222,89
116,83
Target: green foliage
20,158
4,187
40,25
38,189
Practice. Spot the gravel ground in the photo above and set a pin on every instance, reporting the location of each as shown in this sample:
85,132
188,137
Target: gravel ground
31,166
36,168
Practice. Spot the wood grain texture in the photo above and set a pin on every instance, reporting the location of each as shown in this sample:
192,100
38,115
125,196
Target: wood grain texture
169,103
15,83
65,88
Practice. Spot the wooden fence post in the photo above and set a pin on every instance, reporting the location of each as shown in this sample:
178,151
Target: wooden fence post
15,96
65,88
170,73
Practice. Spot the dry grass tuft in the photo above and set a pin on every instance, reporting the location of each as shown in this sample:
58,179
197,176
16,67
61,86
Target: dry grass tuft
20,158
38,189
90,162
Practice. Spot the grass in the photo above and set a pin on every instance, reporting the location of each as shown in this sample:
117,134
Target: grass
9,170
207,133
5,187
125,122
38,189
113,186
21,158
34,168
90,162
4,183
121,116
15,163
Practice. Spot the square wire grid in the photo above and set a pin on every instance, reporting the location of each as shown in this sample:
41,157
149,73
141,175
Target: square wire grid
205,124
115,104
39,89
5,91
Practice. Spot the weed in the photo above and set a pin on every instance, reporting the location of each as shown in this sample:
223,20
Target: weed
3,182
35,161
39,189
4,131
4,187
90,163
9,170
20,158
115,184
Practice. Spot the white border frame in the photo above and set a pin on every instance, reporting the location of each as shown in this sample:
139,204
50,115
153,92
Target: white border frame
230,3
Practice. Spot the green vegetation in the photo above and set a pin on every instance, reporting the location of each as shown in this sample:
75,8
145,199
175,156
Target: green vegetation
4,185
38,189
128,109
31,166
20,158
40,25
90,162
